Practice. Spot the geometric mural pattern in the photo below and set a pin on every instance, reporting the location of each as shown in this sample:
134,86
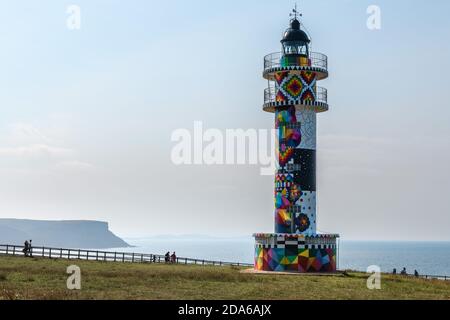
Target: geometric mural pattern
308,119
295,88
296,255
294,193
303,260
307,206
288,133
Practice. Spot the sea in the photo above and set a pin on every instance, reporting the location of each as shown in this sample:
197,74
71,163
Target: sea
431,258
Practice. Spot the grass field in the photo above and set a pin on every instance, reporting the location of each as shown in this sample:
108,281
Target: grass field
37,278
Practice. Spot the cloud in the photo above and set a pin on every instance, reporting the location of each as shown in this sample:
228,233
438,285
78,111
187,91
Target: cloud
27,130
24,146
75,165
36,150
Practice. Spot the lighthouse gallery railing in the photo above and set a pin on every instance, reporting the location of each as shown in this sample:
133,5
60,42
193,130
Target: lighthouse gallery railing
273,60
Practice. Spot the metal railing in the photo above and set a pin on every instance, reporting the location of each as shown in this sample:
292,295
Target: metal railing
109,256
408,275
270,94
274,60
431,277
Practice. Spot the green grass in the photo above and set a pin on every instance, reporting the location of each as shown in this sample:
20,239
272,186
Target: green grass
36,278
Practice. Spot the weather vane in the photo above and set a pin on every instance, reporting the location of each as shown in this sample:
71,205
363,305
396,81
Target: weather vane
295,12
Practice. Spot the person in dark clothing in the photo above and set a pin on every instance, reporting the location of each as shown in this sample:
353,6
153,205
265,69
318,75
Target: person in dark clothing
394,271
25,248
30,249
167,257
416,273
173,257
403,273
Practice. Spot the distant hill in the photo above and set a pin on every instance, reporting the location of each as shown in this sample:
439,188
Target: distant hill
66,234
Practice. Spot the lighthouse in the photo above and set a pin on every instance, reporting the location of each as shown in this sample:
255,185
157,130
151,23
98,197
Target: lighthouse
295,99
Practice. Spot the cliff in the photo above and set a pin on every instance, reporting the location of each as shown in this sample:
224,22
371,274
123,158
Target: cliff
66,234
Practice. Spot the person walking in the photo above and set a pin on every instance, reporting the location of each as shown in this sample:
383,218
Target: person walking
167,257
173,257
25,248
394,271
416,273
403,273
30,249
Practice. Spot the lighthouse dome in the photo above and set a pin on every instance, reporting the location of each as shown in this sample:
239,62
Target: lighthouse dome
294,33
295,41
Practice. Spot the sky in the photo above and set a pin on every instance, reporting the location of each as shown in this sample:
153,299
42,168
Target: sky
87,115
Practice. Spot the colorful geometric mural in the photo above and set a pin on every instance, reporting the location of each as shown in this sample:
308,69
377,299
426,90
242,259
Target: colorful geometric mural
296,172
289,134
280,252
295,87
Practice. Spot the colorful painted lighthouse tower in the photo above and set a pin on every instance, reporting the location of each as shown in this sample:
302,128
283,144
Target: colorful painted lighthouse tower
295,98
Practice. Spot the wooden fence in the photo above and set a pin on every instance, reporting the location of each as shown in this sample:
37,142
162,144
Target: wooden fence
130,257
95,255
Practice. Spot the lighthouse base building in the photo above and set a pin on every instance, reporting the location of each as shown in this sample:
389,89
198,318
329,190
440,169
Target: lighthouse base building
295,252
295,99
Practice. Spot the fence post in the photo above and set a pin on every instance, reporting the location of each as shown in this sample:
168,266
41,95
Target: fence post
123,257
50,253
43,252
79,254
7,249
142,258
60,253
68,254
132,258
115,256
104,256
14,250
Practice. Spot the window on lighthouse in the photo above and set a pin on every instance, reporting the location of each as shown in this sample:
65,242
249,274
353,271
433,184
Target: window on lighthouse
297,48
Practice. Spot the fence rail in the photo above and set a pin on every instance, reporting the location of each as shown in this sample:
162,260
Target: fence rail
422,276
130,257
110,256
426,276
